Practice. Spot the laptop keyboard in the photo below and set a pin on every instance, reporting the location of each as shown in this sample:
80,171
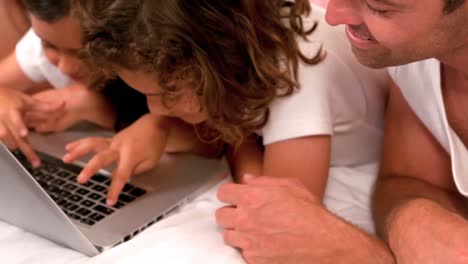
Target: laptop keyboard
85,203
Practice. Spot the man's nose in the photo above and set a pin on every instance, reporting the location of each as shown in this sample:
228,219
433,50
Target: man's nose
346,12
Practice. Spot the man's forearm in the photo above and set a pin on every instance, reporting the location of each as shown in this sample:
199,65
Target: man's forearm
393,194
361,247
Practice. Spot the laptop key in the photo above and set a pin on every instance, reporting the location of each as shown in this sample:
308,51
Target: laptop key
95,196
99,178
119,205
47,178
50,169
75,198
58,182
74,216
127,188
126,198
64,193
62,202
104,210
71,207
43,183
99,188
82,191
87,184
63,174
96,217
88,203
50,189
87,221
37,174
70,187
137,192
83,212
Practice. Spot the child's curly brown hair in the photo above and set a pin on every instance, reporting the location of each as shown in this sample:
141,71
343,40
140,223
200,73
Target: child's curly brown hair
239,55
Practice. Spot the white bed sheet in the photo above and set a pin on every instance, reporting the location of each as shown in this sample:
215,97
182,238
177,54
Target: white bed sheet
192,228
190,235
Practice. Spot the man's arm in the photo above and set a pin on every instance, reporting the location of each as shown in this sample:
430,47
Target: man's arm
415,200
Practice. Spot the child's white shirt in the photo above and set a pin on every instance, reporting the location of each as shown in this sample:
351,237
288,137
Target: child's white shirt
32,60
338,97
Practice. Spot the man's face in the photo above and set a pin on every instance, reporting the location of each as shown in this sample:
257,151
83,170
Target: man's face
61,41
394,32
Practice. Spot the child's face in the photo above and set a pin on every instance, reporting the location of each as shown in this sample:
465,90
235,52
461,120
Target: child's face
61,41
186,107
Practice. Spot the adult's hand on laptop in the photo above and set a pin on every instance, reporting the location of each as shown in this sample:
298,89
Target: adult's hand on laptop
135,149
13,129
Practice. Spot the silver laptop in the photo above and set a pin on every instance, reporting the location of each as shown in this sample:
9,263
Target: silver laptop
49,202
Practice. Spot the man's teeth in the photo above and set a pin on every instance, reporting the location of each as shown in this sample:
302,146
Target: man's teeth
362,36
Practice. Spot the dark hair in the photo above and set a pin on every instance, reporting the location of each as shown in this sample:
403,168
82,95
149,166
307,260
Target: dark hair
452,5
48,10
238,55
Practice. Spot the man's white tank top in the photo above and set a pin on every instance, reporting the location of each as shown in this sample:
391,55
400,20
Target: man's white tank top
420,84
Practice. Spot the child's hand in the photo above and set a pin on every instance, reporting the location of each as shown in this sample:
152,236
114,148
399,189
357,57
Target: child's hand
136,149
81,103
13,128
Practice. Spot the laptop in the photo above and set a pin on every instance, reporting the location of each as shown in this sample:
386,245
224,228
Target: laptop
50,203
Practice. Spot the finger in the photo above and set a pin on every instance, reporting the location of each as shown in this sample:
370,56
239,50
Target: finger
47,107
120,177
7,138
64,123
225,217
83,147
274,181
232,193
98,162
28,151
46,127
290,183
237,239
249,177
16,124
22,143
36,117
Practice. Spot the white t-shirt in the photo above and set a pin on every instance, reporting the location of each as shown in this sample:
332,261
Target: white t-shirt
337,97
421,86
34,63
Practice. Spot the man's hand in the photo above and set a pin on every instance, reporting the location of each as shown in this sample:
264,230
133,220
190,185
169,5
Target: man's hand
135,149
80,103
274,220
13,129
435,236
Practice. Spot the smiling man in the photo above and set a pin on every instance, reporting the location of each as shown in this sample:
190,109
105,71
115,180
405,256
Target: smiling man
420,198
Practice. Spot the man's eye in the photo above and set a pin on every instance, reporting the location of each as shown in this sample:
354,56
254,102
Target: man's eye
375,11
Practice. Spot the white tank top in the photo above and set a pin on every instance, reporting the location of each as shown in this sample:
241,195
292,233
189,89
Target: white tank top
420,84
